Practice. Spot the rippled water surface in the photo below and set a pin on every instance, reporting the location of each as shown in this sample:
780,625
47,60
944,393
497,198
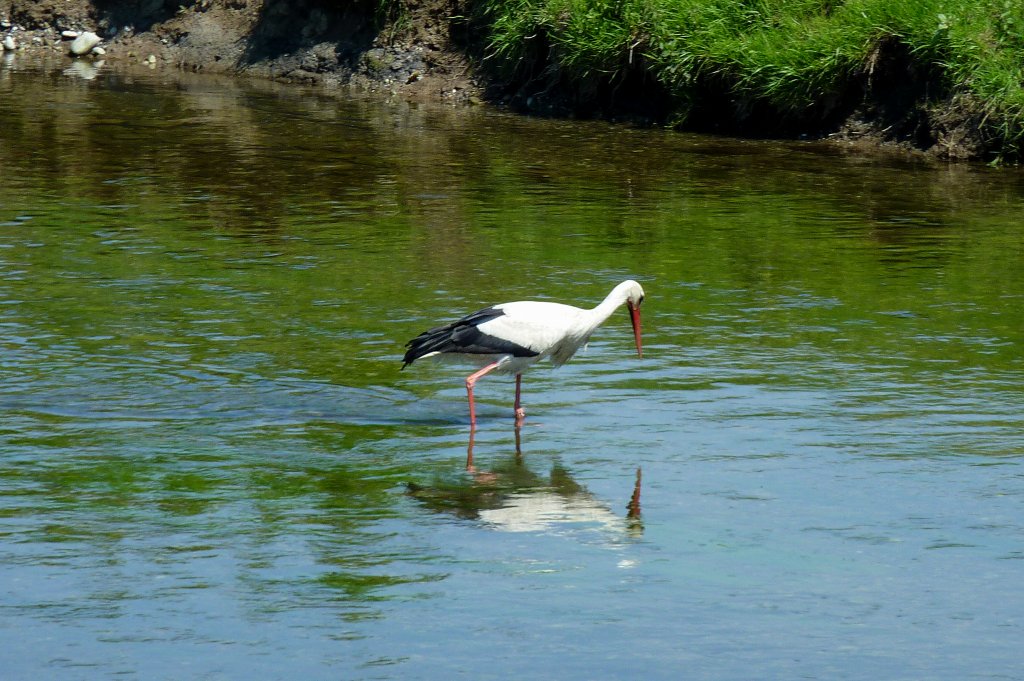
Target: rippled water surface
211,466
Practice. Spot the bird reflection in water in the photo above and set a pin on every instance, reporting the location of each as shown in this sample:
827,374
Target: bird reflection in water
508,496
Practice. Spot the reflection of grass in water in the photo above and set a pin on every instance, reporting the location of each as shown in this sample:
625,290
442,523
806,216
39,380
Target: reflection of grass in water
362,587
279,526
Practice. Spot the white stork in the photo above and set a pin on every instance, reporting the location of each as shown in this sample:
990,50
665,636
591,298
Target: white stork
511,336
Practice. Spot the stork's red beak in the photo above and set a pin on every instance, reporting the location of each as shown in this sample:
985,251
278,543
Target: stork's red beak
634,316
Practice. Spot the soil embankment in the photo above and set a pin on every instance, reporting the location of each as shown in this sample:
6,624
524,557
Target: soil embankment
433,49
332,44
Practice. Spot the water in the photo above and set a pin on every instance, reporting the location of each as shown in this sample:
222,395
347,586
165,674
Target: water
211,466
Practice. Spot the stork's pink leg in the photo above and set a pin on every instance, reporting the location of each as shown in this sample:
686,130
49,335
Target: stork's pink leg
520,413
469,453
470,382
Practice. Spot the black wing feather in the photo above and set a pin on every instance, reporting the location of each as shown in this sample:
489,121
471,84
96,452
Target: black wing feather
464,337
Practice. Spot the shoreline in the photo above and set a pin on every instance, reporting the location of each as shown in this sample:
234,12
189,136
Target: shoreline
424,53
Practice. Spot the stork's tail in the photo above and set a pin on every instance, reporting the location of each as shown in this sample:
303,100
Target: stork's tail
427,343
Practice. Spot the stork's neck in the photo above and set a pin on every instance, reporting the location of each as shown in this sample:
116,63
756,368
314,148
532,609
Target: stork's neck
614,300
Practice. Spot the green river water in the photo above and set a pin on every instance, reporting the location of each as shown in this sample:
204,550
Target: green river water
211,466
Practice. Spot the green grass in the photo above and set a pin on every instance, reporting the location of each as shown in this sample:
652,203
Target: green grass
793,58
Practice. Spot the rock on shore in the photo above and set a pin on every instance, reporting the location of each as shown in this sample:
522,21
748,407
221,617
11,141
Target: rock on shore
84,43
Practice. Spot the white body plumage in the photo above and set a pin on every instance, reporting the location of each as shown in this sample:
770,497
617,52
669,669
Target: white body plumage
512,336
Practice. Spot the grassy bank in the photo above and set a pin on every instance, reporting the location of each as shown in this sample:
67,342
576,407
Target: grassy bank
919,68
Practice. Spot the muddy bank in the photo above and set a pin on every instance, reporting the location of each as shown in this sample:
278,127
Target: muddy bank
432,49
308,41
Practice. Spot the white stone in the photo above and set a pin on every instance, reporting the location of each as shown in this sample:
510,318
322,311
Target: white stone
84,43
9,44
69,35
98,51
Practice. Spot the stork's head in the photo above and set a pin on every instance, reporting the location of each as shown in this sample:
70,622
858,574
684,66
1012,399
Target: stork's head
634,294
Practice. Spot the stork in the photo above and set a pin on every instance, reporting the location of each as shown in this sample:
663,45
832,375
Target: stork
510,337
